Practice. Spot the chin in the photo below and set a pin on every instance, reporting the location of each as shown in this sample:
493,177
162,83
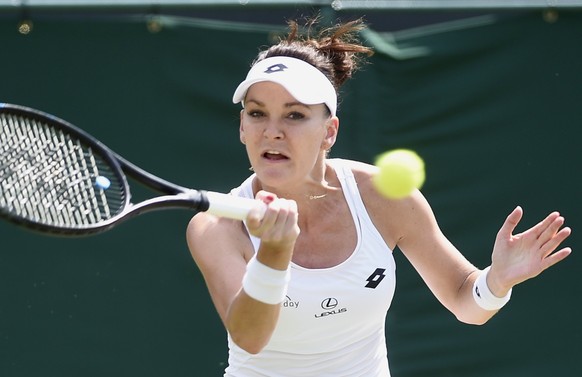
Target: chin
271,177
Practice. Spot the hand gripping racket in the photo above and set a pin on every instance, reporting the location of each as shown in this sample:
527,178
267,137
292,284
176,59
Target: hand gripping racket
56,178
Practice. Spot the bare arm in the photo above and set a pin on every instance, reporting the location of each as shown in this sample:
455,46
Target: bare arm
411,225
448,274
222,249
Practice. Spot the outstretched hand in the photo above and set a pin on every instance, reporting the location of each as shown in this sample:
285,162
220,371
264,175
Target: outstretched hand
519,257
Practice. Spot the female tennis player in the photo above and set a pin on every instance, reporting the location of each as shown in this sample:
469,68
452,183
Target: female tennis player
304,290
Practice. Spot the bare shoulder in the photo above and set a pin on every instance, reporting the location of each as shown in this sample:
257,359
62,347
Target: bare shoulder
364,173
359,167
395,219
211,238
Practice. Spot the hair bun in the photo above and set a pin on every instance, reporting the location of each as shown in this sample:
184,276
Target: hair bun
336,51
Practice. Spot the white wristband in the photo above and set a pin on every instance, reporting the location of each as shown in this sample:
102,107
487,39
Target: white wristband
483,295
264,283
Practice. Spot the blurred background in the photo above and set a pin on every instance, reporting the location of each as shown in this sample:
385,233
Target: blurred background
487,92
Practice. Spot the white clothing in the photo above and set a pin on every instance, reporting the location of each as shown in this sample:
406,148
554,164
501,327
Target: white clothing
332,322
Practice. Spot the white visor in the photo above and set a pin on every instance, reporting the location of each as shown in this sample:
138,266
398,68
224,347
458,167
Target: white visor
303,81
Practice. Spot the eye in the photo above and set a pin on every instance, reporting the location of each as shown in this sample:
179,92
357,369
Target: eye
253,113
296,115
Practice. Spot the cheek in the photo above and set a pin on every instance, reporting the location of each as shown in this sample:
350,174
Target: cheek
246,133
249,136
312,146
250,140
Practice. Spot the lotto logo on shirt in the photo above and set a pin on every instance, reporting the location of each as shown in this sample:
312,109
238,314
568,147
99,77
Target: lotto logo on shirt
330,305
376,278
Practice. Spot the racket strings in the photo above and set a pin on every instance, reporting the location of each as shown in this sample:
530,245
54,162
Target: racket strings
48,176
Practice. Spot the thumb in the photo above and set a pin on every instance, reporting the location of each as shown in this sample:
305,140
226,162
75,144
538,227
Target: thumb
510,223
256,214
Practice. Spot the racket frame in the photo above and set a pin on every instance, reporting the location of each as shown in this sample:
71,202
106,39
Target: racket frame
176,196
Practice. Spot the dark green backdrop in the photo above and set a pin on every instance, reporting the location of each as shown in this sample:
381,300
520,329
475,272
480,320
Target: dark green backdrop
492,104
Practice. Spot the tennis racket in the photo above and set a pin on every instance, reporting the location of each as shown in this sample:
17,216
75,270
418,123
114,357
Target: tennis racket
55,178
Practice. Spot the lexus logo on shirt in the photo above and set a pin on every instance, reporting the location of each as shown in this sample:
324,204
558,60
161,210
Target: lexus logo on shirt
329,305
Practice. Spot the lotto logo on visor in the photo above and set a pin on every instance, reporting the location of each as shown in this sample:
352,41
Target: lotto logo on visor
275,68
303,81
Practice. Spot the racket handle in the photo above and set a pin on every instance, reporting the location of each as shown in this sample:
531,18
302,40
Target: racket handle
232,207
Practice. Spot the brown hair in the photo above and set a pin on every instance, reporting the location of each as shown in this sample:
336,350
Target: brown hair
335,51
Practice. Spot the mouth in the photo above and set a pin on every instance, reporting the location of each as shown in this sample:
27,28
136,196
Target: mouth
272,155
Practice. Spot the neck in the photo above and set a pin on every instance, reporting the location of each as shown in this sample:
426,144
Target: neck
319,185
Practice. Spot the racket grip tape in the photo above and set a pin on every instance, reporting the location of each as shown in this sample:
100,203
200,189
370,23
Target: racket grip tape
232,207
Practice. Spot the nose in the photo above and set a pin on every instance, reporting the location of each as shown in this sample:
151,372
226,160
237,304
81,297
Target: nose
273,130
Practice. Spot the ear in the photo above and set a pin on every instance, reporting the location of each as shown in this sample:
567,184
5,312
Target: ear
241,129
331,131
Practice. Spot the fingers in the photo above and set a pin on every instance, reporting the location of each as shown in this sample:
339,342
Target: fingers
255,216
548,226
279,223
549,235
278,212
556,257
553,236
266,197
526,254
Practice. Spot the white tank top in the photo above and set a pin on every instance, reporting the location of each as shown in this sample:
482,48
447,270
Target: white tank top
332,320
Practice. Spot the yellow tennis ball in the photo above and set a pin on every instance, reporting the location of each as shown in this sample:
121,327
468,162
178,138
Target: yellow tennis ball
400,172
